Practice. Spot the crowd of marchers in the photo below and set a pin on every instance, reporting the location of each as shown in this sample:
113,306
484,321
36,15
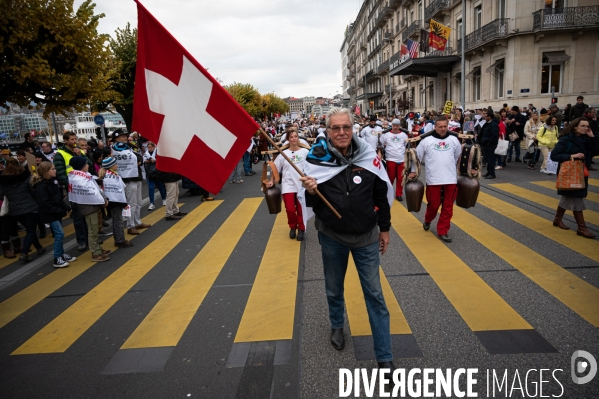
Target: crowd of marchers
35,198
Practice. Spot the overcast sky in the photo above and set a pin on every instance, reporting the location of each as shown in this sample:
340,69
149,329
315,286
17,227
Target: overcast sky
289,47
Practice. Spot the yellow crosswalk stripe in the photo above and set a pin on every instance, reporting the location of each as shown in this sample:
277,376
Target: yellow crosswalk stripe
478,304
591,196
356,306
17,304
593,182
49,240
577,294
58,335
567,238
550,202
270,309
167,321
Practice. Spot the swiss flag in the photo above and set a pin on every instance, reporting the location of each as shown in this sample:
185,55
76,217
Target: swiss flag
200,130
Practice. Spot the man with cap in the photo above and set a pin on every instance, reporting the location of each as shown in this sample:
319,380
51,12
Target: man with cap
489,138
394,143
130,171
371,133
61,162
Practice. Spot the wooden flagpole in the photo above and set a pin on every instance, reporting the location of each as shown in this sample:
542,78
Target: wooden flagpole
271,141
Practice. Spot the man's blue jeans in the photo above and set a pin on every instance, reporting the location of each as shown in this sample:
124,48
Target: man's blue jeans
58,232
334,260
247,163
514,144
152,187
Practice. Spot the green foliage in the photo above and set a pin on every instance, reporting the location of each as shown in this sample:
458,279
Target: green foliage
52,55
247,96
122,83
254,103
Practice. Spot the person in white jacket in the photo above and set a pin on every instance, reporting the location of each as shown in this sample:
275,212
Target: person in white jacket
440,153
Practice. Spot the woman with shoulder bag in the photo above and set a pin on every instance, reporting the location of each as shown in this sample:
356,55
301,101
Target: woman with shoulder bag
530,131
547,138
577,142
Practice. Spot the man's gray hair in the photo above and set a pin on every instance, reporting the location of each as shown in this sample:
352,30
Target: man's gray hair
337,111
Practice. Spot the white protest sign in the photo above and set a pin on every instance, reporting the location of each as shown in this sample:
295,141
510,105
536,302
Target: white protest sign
114,188
83,189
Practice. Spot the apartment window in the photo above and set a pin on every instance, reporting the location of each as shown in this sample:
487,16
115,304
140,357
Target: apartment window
459,28
421,96
478,17
420,10
476,84
431,95
549,4
551,75
499,78
501,8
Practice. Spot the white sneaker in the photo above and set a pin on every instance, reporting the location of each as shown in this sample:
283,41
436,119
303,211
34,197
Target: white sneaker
543,171
151,207
68,257
498,167
59,262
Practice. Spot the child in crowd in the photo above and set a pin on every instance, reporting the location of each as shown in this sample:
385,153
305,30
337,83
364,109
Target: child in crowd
52,208
80,176
114,189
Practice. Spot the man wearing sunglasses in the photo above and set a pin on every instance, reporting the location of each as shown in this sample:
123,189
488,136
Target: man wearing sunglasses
349,174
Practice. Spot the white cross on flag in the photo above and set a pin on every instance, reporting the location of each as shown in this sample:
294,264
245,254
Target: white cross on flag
201,132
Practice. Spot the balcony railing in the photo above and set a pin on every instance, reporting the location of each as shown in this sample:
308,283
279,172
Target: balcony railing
491,31
568,17
440,53
406,2
394,3
383,14
383,67
394,57
374,50
369,74
412,29
436,6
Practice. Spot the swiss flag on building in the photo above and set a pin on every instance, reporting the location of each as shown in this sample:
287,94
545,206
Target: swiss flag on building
201,132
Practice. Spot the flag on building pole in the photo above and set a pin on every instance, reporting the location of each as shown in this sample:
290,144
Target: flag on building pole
438,35
413,48
201,132
403,50
424,41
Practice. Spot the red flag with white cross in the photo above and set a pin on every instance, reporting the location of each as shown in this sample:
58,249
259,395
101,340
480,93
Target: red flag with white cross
201,132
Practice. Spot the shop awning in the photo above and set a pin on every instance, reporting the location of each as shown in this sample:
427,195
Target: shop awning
556,57
426,66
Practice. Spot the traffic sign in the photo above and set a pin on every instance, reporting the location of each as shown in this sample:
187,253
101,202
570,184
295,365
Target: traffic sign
99,120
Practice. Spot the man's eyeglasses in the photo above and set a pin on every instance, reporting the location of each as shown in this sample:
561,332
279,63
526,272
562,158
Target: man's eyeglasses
337,129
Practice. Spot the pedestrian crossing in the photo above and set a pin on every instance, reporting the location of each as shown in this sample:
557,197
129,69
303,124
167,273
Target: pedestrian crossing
269,313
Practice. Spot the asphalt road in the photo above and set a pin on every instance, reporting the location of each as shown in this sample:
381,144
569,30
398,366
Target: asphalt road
222,304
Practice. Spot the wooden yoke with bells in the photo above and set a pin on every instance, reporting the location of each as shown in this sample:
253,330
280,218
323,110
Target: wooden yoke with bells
414,188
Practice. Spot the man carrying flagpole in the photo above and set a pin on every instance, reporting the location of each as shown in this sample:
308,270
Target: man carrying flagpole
349,174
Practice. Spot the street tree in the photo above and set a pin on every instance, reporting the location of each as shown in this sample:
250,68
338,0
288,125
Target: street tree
247,96
52,56
273,104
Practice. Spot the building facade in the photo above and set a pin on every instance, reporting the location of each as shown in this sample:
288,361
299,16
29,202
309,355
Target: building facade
22,123
517,52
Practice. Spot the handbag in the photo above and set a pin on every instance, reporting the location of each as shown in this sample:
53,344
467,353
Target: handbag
513,136
571,175
502,146
151,170
4,209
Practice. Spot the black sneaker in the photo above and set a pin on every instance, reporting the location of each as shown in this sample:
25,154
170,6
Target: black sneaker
518,160
25,258
60,262
399,198
490,177
68,257
509,160
41,251
426,226
292,234
300,235
445,238
81,247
